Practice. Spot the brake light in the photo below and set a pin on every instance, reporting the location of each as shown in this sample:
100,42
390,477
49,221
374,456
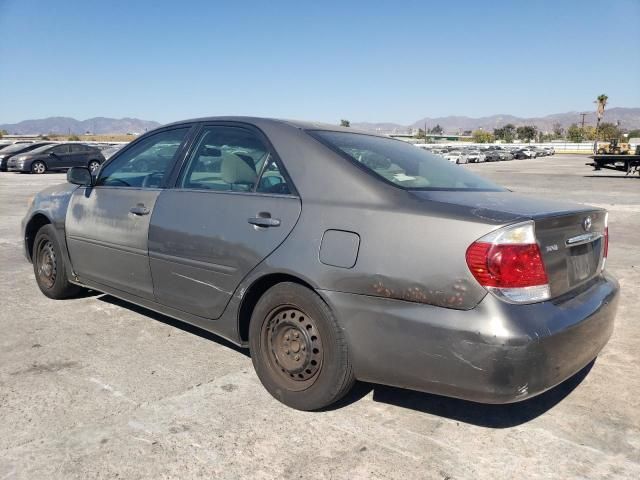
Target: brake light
605,249
509,264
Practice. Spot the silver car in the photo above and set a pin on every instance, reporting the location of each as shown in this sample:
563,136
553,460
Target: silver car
335,256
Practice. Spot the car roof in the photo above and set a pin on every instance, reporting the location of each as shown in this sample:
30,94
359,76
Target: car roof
299,124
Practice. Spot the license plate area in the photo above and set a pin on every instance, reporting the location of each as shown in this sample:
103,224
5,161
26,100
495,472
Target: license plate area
582,262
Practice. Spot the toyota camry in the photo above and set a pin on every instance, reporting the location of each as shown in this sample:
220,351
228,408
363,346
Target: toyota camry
335,256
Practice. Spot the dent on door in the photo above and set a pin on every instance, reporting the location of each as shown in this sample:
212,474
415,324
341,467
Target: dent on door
201,244
107,233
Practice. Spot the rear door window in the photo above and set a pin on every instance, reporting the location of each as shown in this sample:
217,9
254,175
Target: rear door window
60,149
232,159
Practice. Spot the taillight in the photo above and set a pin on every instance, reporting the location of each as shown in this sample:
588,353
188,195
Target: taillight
508,263
605,249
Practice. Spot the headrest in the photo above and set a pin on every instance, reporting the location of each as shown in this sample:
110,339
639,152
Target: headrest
234,170
210,152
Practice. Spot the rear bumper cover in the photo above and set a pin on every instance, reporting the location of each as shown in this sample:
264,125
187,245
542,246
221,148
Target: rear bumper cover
494,353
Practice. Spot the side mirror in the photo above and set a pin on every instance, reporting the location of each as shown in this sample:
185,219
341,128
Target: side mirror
80,176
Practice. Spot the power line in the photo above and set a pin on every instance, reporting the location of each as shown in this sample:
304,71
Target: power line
583,115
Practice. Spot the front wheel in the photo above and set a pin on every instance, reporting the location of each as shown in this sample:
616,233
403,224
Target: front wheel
49,268
94,165
38,167
297,348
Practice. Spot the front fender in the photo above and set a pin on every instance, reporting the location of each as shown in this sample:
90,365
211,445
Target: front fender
48,207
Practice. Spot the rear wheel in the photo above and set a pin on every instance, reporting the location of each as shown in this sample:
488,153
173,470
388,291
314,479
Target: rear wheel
49,268
297,348
38,167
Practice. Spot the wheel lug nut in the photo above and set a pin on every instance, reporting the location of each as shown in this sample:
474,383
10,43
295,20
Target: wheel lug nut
296,334
297,357
303,348
287,352
286,337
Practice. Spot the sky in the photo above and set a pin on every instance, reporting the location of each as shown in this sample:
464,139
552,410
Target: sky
324,60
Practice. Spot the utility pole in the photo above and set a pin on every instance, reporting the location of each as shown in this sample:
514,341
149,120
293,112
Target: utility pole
583,115
425,132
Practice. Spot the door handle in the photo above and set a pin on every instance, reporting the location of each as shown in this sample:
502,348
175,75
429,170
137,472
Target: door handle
264,221
140,210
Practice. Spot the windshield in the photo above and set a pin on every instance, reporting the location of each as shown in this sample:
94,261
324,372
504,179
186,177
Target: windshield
403,164
16,147
41,149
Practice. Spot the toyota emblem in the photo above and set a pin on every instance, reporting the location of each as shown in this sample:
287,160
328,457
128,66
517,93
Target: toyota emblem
586,224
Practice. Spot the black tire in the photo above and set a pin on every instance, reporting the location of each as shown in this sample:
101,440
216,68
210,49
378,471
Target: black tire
49,267
297,348
93,166
38,167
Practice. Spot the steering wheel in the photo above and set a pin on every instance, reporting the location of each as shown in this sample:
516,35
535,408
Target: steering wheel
111,181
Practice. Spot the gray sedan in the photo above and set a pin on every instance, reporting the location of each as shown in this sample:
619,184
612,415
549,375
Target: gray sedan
335,256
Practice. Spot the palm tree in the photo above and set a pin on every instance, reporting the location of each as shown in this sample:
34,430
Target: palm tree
601,103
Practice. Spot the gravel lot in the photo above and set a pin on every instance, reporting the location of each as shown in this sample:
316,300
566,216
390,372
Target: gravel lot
96,388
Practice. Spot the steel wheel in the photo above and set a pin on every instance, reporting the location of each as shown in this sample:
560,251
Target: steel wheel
298,348
47,266
293,347
38,167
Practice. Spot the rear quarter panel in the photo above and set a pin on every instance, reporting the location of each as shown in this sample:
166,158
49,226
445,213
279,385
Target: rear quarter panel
409,255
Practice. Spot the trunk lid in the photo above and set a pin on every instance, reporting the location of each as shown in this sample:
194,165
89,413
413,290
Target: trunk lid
572,248
570,235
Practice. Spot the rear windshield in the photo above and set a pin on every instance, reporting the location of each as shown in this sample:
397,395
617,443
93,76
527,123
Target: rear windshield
402,164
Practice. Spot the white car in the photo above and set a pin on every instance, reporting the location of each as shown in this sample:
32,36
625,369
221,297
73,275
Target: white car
475,156
456,157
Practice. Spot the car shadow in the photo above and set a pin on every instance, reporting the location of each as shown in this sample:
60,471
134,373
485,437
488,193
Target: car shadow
635,176
185,327
479,414
87,293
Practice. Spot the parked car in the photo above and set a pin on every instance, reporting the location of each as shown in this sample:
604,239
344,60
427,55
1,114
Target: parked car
492,155
540,152
334,256
456,156
505,155
16,149
475,156
56,157
107,153
524,153
549,150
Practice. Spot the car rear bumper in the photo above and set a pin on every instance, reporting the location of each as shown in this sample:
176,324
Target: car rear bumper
494,353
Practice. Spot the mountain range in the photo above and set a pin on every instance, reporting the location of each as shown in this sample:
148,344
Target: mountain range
629,118
67,125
